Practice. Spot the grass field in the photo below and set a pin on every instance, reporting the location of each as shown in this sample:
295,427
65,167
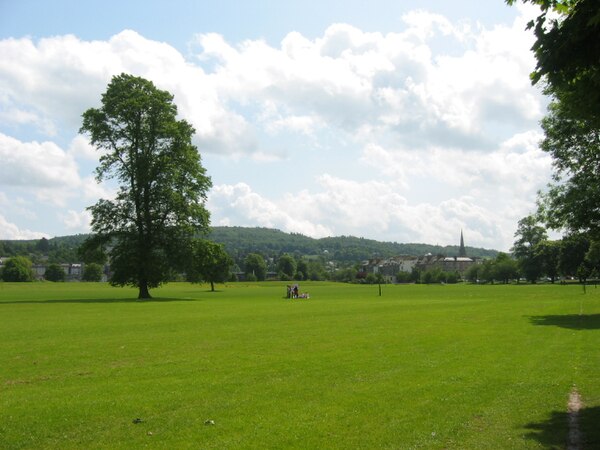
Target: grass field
421,367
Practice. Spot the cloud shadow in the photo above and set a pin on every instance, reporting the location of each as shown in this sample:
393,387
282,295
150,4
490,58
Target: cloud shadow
571,321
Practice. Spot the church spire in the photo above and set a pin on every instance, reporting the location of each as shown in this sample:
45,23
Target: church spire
462,251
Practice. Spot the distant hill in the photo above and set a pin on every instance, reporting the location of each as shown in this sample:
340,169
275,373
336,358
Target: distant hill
239,241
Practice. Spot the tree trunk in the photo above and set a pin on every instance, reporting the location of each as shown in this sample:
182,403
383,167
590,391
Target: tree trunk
212,286
144,293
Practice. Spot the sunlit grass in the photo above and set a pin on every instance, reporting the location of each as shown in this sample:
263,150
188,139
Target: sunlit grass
419,367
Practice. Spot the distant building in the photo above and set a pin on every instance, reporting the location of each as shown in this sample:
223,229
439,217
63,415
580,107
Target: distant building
73,272
390,267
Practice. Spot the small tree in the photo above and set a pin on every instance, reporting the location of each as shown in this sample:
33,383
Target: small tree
54,272
255,264
472,273
316,270
505,268
210,262
529,234
92,272
301,268
286,265
17,268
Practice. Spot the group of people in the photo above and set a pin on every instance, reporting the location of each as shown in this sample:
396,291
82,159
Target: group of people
294,292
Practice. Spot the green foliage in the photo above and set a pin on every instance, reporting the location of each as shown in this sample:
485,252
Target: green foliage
302,269
55,250
592,257
43,246
404,277
251,277
549,254
316,271
503,269
210,262
54,272
93,249
570,203
437,275
472,273
286,264
17,268
572,254
567,50
239,241
92,272
254,264
159,206
346,275
528,235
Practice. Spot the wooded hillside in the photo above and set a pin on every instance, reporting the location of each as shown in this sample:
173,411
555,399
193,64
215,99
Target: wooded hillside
239,241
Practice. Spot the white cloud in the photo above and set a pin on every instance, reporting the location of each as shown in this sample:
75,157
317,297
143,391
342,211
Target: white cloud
440,114
10,231
80,147
238,204
33,164
48,173
347,79
77,221
368,209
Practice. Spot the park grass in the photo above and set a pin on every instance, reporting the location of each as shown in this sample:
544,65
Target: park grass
420,367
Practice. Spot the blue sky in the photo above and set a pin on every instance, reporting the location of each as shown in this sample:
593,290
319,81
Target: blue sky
400,121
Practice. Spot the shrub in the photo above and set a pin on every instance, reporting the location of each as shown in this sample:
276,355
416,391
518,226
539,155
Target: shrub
54,273
92,272
17,268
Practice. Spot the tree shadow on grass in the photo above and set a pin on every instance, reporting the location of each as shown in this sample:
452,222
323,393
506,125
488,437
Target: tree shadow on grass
553,433
571,321
101,300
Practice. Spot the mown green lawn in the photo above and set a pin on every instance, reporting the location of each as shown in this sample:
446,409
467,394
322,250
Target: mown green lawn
428,367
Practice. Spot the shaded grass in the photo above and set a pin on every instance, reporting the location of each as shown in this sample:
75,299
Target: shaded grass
420,367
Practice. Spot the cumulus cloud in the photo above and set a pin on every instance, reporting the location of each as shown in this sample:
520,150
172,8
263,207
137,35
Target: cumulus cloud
431,140
10,231
346,207
41,165
346,79
77,221
47,172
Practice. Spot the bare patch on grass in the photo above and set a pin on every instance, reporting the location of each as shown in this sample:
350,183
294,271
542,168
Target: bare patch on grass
574,407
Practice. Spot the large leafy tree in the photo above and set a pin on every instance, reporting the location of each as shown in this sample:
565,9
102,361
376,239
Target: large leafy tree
572,253
549,255
572,201
528,236
567,49
159,206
